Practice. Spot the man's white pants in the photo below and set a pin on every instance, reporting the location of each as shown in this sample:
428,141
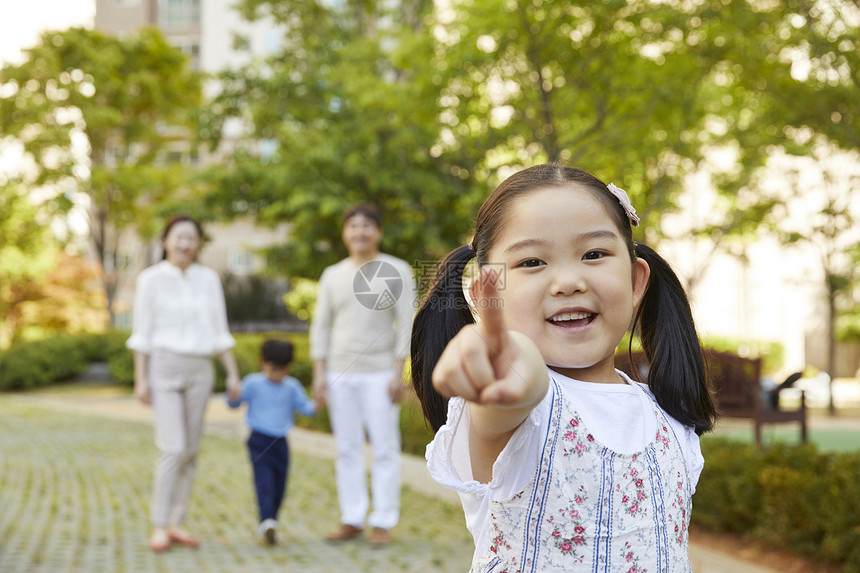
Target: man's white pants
359,402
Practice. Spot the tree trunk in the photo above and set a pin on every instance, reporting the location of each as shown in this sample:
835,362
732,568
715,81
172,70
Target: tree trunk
831,346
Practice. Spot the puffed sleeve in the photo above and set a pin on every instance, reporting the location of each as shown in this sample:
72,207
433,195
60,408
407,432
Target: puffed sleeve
142,318
695,460
448,457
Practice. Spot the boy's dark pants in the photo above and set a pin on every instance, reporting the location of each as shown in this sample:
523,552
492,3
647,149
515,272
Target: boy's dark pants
270,457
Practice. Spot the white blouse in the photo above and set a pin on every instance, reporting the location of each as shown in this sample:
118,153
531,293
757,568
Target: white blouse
620,416
181,312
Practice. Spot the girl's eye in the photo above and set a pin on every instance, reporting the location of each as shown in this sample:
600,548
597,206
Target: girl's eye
594,255
530,263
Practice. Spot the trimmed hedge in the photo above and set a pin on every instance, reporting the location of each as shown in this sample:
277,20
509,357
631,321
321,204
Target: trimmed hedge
787,496
33,364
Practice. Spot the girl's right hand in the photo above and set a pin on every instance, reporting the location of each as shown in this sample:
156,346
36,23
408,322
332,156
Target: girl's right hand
488,364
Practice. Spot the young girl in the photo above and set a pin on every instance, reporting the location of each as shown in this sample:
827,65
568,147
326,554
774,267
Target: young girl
562,462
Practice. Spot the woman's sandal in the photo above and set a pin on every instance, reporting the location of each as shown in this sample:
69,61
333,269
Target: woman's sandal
159,541
184,538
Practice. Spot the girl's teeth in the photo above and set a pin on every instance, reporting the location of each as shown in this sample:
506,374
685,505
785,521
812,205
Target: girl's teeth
571,316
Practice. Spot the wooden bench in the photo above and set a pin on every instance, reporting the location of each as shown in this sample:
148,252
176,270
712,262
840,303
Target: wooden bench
736,384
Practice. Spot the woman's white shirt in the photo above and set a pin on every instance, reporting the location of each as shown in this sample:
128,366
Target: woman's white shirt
180,311
620,416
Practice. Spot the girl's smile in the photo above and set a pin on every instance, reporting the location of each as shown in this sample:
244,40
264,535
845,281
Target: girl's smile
572,319
571,286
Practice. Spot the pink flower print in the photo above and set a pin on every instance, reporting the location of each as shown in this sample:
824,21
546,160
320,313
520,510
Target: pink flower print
574,514
570,436
557,533
639,482
578,540
574,423
634,508
634,472
640,495
580,447
590,438
578,499
629,557
579,530
680,485
625,499
566,547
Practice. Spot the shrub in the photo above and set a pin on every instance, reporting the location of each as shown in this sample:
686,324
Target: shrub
728,495
119,358
39,363
789,496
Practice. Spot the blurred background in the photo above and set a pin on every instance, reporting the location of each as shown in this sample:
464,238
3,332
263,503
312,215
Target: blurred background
733,125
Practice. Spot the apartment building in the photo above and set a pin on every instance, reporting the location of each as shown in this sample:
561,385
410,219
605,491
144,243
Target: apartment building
204,30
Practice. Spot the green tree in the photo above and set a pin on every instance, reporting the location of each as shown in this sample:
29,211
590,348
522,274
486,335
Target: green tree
129,100
423,108
344,113
647,93
27,254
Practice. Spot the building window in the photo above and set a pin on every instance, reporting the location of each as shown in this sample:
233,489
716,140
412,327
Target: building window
180,153
178,13
190,46
239,262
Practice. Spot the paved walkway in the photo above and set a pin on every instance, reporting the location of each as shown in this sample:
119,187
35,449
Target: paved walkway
75,472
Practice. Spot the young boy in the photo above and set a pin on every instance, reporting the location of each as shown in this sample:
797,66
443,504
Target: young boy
272,396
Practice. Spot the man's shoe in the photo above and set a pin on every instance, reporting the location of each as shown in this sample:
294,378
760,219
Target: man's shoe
267,531
379,536
344,532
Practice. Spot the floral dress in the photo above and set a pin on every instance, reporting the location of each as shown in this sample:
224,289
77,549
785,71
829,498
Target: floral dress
588,508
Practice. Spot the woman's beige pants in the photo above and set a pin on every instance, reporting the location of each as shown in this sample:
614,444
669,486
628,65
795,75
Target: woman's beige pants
180,387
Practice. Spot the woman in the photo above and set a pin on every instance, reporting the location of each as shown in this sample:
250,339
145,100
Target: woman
180,323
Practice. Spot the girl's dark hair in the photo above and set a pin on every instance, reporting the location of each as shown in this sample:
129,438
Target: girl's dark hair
677,369
180,219
444,312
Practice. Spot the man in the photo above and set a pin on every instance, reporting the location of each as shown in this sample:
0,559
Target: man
359,343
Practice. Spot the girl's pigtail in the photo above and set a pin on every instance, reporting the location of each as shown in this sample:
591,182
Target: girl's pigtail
676,373
443,313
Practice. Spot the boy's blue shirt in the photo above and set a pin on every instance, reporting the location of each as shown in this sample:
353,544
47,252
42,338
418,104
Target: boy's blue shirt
271,405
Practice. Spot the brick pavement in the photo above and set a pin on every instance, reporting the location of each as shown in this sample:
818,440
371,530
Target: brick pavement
75,477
